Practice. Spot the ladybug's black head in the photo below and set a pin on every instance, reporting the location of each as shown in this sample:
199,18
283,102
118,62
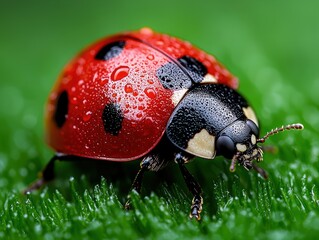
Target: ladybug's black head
239,141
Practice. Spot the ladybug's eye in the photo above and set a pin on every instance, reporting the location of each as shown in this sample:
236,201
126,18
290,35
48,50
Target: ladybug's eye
225,146
253,127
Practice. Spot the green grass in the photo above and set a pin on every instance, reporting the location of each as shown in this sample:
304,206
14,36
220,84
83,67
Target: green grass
272,47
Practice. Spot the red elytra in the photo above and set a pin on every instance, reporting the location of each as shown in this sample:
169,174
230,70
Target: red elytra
129,80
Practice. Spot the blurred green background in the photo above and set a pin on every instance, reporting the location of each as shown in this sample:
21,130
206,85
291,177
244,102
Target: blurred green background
272,46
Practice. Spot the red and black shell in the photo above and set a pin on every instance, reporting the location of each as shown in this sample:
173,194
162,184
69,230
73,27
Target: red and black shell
114,100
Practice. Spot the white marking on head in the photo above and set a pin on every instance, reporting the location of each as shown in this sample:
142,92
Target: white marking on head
202,145
209,79
178,95
241,147
250,114
253,139
255,152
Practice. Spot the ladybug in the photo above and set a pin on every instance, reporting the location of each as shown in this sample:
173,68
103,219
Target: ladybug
150,96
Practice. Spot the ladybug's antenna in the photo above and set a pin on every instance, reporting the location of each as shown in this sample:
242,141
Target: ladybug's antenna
295,126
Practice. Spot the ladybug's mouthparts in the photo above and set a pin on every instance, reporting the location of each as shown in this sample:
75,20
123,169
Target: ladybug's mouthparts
246,158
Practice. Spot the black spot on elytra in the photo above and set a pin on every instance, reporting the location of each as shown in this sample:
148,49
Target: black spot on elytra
61,109
112,118
195,68
110,50
173,76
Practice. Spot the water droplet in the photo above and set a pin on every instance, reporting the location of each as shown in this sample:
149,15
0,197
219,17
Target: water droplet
73,89
87,116
150,57
120,73
103,81
159,43
139,115
65,80
74,100
80,82
79,70
135,93
169,49
52,96
95,76
128,88
150,92
114,95
140,107
150,81
146,31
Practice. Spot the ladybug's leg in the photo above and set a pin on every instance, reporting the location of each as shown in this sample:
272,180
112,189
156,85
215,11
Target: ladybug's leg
156,160
46,175
136,186
261,171
192,184
153,162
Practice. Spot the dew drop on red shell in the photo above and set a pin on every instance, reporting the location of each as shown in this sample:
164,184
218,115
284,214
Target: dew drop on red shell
74,100
103,81
150,92
120,73
146,31
150,57
87,116
128,88
159,43
150,81
140,107
135,93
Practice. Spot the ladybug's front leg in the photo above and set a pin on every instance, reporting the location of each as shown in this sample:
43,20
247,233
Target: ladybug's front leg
46,175
192,184
136,186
